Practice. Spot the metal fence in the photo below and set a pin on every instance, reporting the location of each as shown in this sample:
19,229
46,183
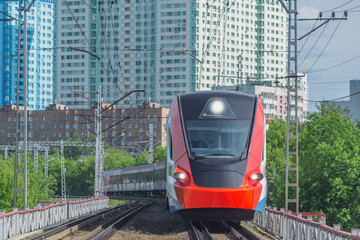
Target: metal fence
286,226
29,220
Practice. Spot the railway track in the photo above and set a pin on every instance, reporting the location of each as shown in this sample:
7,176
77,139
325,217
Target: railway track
96,226
199,230
110,228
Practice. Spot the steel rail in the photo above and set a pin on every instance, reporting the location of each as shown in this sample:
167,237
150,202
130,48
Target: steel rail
240,231
111,227
197,230
192,231
73,225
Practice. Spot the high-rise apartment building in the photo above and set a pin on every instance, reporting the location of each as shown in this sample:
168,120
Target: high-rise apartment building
40,31
76,59
167,48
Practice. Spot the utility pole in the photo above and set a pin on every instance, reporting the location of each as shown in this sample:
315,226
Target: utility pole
292,141
21,131
292,155
36,158
239,75
292,160
99,170
63,170
151,142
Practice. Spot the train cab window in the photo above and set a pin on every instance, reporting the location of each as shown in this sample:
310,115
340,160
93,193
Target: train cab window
218,138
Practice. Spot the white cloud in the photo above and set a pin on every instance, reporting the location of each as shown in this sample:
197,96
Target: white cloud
308,12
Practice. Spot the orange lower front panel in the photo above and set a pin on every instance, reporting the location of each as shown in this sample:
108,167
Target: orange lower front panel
197,197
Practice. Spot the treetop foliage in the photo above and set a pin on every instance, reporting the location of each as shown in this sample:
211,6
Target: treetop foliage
329,166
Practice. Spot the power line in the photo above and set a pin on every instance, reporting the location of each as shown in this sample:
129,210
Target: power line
324,47
76,21
315,83
313,45
307,38
337,65
325,100
349,10
338,6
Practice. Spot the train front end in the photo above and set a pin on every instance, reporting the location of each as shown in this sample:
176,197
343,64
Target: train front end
215,166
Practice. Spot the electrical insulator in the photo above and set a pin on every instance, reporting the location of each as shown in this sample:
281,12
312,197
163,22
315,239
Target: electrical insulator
346,13
333,14
320,14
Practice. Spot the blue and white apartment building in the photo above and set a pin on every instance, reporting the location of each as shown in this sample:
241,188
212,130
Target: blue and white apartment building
40,32
166,47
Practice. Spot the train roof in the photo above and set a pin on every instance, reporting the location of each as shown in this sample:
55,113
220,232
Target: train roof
241,105
219,93
117,170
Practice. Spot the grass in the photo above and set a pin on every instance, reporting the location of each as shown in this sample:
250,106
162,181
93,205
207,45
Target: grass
116,202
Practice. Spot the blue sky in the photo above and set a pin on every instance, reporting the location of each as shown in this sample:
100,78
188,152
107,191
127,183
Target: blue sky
343,46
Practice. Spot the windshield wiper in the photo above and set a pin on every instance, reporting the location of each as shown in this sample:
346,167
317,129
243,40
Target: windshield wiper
214,154
244,154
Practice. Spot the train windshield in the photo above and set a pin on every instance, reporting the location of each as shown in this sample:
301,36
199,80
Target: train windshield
218,138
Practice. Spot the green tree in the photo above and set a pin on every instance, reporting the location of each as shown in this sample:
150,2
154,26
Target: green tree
80,176
141,159
37,184
6,184
76,152
329,153
160,154
276,162
117,158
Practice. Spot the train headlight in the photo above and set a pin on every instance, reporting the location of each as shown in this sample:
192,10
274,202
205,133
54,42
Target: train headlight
256,176
179,176
217,106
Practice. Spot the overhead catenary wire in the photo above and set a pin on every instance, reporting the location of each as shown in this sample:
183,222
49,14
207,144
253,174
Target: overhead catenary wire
107,49
324,48
76,21
318,38
307,38
337,65
325,100
338,6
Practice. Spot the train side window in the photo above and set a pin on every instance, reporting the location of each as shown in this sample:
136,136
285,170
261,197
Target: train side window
171,145
169,171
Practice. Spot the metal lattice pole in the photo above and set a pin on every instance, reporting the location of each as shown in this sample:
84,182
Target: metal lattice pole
63,170
96,183
46,167
292,155
99,152
151,142
6,154
21,132
36,158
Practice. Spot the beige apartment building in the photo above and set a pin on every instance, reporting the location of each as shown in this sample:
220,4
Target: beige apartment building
122,128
